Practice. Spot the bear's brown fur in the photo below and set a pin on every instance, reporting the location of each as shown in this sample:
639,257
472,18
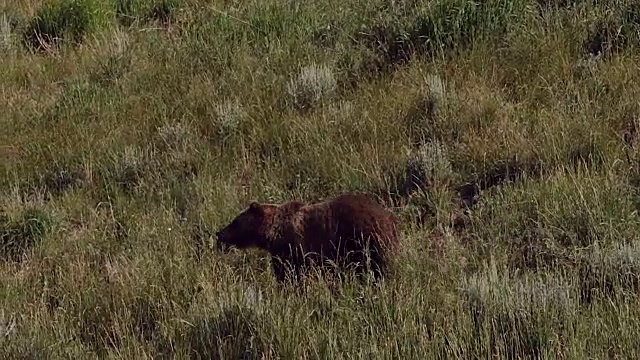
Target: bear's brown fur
350,231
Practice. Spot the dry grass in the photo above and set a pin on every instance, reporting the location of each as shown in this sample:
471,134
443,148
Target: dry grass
504,133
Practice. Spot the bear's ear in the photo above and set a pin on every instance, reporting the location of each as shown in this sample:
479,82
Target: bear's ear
254,206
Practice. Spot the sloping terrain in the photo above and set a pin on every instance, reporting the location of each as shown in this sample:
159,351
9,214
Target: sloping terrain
504,133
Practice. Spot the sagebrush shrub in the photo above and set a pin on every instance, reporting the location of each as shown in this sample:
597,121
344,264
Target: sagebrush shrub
176,137
429,166
313,85
229,117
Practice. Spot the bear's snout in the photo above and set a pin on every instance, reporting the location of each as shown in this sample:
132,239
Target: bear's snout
220,242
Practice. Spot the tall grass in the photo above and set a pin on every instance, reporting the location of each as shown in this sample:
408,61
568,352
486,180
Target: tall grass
503,133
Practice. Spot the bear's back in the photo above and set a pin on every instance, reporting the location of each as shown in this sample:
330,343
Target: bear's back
361,211
343,217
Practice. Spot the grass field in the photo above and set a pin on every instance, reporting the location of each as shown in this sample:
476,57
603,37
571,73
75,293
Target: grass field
505,134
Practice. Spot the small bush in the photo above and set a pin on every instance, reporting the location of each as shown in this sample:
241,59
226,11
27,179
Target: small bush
21,234
229,118
312,86
429,167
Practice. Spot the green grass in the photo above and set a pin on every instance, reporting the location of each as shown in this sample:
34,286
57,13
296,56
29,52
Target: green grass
504,134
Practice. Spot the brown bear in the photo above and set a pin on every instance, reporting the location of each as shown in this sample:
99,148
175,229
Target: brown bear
350,231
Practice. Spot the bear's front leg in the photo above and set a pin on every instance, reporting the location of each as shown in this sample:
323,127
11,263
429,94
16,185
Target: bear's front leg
283,267
279,268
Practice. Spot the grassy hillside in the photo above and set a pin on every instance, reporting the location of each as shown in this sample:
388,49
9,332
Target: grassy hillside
504,133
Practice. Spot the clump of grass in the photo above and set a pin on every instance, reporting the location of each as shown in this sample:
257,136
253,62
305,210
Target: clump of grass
61,179
611,272
235,333
112,224
111,69
556,4
437,87
518,316
167,164
427,183
98,327
162,10
20,234
444,27
145,318
7,325
312,86
126,11
131,168
456,25
116,62
130,11
547,224
177,155
175,137
616,30
80,98
420,119
387,45
342,111
62,20
7,34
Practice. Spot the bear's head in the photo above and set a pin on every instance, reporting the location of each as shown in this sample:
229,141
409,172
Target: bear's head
248,229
